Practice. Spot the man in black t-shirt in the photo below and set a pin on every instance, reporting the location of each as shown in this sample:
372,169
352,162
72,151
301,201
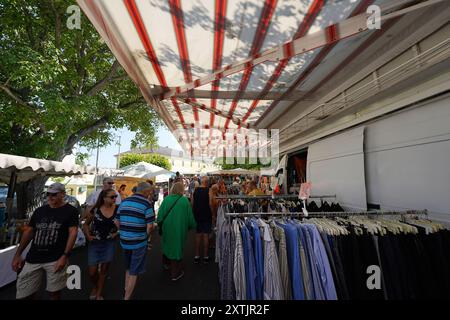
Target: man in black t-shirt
53,229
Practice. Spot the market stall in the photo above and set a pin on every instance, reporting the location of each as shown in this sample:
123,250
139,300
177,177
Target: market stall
15,169
142,171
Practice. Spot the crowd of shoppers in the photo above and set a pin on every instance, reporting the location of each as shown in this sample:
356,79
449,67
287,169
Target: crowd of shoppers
111,214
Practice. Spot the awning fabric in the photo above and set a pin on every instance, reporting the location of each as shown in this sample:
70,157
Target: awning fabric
229,64
28,168
144,170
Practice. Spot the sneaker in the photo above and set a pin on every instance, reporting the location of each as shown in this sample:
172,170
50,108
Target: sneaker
205,260
179,277
197,259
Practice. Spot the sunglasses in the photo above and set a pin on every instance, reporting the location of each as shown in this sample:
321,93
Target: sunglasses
110,182
49,194
112,197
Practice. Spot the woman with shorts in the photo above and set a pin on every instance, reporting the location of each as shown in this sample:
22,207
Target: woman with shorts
100,231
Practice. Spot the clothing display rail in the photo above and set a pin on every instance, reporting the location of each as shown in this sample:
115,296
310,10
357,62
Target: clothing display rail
287,196
276,251
329,214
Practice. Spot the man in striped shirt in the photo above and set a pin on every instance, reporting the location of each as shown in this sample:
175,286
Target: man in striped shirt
135,218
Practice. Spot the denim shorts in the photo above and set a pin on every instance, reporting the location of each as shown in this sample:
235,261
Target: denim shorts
100,251
135,260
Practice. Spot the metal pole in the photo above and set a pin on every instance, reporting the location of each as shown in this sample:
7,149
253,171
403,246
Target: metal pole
96,165
118,156
10,196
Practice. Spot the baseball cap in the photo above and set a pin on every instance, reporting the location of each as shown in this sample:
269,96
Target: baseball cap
56,187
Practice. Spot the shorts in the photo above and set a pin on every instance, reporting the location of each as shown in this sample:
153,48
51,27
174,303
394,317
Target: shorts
204,226
100,251
29,280
135,260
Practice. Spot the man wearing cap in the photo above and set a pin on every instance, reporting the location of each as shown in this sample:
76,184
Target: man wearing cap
135,219
53,229
108,184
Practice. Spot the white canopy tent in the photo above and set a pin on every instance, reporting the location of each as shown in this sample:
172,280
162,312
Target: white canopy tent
16,169
27,168
220,65
144,170
163,178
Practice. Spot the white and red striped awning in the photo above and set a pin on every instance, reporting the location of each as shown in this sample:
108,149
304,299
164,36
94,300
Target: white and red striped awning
228,63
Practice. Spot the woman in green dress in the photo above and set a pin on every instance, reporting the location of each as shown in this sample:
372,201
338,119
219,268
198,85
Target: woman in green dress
175,217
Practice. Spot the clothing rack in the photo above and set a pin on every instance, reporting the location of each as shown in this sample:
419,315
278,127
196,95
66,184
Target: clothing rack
286,196
274,197
331,214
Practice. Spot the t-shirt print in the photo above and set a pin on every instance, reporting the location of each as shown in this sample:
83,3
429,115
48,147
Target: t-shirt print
51,232
47,233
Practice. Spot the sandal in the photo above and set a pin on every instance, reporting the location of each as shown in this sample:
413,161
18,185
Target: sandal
179,277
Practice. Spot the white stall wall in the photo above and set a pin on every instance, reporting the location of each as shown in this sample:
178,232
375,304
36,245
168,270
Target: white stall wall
408,160
336,166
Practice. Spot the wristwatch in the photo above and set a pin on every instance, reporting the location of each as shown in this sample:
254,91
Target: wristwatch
67,254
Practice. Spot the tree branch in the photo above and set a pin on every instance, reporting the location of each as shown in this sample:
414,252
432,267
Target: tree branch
129,104
10,92
125,76
20,101
105,81
77,136
57,26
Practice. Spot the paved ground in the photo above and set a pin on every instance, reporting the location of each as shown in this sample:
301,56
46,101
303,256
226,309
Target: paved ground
199,282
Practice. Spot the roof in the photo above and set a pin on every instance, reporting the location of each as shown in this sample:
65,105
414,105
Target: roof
28,168
229,64
164,151
143,170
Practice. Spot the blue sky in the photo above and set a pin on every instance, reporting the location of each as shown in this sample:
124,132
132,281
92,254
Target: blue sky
106,157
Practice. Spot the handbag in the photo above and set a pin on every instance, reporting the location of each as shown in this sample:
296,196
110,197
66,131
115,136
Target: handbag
161,223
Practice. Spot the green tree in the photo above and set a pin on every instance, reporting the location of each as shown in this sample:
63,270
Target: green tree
235,165
156,159
60,88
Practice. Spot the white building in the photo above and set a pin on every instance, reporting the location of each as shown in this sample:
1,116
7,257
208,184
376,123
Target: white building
181,163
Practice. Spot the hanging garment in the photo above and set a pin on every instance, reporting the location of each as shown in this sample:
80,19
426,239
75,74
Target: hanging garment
273,289
249,259
340,282
322,263
239,278
258,255
226,271
305,264
293,260
280,239
219,223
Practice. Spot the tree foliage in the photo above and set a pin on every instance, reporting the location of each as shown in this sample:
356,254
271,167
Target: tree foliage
61,87
156,159
247,166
